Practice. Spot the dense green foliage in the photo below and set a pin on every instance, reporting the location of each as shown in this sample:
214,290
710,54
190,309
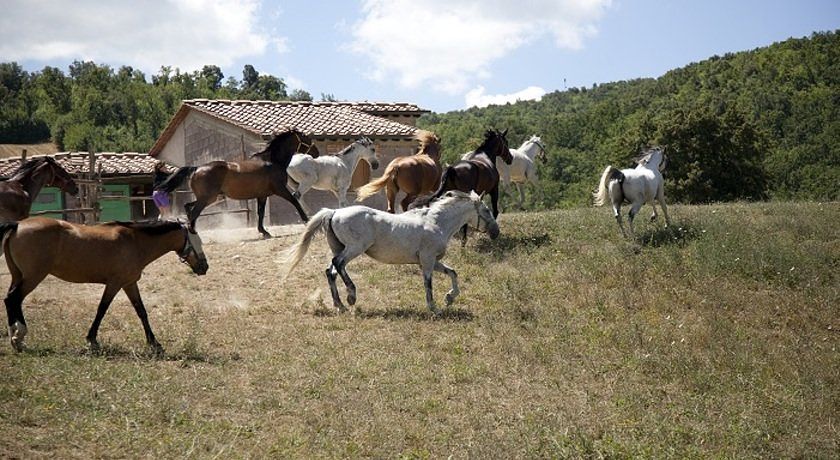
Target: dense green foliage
749,125
96,107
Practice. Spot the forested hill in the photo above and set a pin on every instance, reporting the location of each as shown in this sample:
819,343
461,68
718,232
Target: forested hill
747,125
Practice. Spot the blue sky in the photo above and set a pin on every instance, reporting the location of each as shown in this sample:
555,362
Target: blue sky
441,54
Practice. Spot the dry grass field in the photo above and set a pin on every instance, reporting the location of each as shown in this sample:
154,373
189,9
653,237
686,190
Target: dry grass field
715,339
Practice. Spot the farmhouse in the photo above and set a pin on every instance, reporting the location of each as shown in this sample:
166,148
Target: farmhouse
205,130
123,183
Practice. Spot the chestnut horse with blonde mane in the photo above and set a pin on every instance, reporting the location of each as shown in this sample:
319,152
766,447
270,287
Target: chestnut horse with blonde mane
415,175
113,254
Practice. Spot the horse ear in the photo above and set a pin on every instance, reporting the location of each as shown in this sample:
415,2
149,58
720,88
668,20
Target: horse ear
504,133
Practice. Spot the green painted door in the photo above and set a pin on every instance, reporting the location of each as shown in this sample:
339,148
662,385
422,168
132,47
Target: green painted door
115,209
49,199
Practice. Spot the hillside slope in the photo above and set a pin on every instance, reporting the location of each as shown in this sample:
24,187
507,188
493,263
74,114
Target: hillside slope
715,339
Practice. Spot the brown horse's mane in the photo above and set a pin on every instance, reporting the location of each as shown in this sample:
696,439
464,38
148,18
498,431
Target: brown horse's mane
429,143
149,228
29,165
274,144
489,135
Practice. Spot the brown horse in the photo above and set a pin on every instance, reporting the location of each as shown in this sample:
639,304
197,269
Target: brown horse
262,175
415,175
19,191
113,254
478,173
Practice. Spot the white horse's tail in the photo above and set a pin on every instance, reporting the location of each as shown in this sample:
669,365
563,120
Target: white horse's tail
601,194
292,256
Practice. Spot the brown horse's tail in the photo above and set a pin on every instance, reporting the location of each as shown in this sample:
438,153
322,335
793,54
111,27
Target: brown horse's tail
378,184
176,179
7,228
292,256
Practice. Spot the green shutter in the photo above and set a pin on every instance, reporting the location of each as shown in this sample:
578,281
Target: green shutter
50,199
115,209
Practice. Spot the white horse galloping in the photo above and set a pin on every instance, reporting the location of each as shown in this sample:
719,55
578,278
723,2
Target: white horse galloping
638,186
522,170
330,172
418,236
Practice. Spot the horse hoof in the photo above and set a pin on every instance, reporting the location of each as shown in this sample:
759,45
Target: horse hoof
94,347
449,299
156,349
351,299
266,236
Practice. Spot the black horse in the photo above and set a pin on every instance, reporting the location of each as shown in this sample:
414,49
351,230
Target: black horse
262,175
477,170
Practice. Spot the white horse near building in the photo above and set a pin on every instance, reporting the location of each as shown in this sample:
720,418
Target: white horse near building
417,236
522,170
639,185
330,172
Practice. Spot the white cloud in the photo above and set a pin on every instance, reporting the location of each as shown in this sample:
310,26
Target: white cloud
451,43
186,34
476,97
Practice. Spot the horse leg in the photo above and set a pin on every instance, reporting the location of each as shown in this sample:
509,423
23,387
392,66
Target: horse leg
284,193
340,263
391,195
261,216
133,294
521,191
107,296
617,215
331,273
494,200
450,296
409,198
294,187
634,209
18,291
653,215
660,197
463,234
194,209
428,269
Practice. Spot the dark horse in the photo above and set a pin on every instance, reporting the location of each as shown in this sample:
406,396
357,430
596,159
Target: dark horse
478,171
113,254
19,191
262,175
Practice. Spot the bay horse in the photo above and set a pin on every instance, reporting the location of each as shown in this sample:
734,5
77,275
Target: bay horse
113,254
330,172
638,186
522,170
415,175
18,192
262,175
418,236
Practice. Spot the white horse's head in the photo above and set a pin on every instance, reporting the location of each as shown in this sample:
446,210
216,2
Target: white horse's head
485,222
539,143
653,158
367,151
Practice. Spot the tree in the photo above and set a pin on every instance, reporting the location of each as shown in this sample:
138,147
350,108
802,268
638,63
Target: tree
300,95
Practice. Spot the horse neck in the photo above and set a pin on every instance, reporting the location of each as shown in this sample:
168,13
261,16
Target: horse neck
529,149
351,156
154,247
32,181
451,218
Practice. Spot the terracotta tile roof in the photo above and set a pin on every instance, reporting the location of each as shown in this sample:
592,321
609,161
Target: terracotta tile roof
319,119
112,164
